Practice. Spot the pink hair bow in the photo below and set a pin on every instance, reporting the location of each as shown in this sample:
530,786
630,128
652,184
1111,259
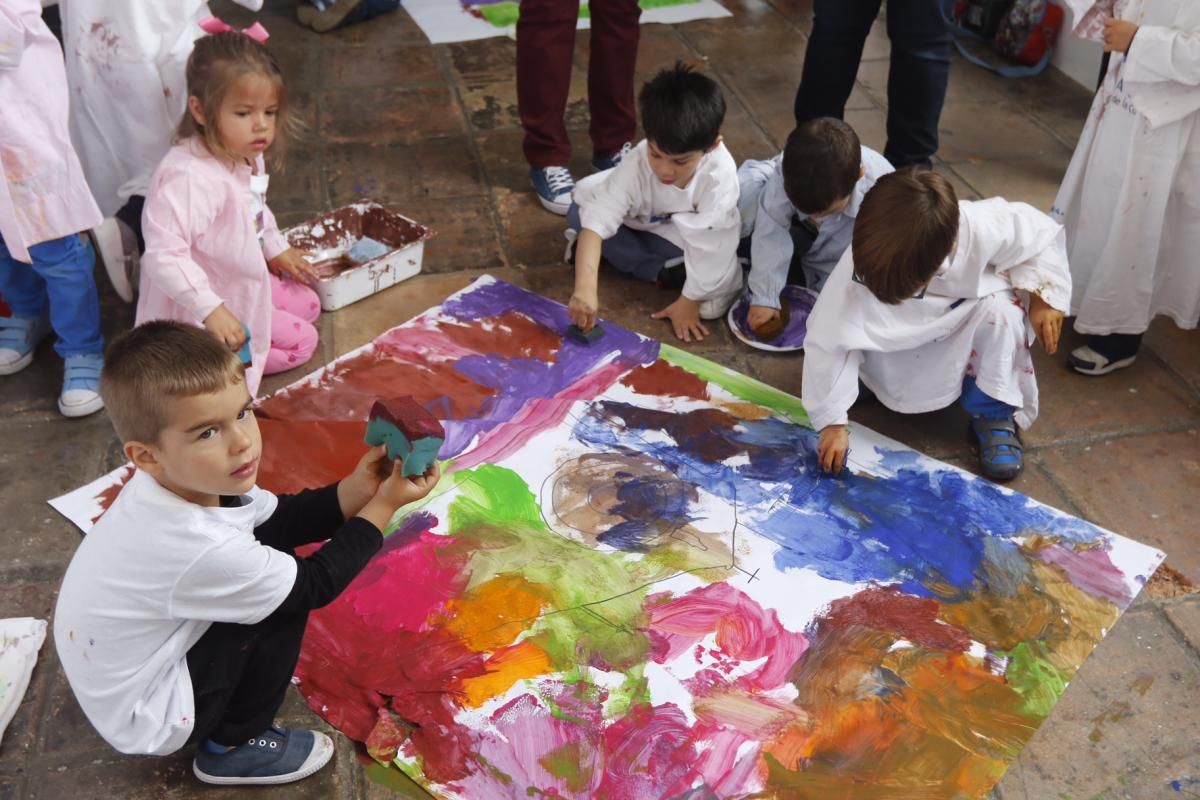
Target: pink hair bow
256,31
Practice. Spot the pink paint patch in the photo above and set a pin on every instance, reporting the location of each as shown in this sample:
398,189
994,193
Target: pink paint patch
744,632
1091,570
649,754
431,578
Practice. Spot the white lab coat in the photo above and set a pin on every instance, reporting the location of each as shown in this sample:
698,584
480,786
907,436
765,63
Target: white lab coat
915,354
125,67
1130,200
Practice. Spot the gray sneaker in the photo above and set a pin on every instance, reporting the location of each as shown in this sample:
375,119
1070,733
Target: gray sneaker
277,755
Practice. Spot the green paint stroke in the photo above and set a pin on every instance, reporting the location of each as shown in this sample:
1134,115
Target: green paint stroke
568,764
594,598
504,15
737,384
1032,675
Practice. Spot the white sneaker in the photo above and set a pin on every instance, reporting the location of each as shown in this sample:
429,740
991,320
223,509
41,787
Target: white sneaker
81,385
116,246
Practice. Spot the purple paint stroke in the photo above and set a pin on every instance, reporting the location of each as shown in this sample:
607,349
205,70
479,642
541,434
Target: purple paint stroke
1091,570
800,303
517,381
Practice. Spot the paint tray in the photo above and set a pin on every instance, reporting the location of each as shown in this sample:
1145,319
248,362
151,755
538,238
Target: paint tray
328,240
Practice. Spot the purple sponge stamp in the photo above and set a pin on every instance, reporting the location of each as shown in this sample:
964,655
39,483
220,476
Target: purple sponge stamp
412,434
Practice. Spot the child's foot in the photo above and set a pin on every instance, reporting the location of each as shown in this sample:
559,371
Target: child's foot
81,385
19,337
116,245
1105,354
278,755
999,447
601,163
554,186
673,275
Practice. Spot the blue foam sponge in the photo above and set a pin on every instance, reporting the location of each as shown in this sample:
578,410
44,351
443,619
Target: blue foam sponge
366,249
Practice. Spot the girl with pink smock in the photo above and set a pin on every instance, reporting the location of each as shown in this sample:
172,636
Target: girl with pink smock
214,254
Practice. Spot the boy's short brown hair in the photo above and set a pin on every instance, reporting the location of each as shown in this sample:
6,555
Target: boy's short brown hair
821,164
905,229
148,366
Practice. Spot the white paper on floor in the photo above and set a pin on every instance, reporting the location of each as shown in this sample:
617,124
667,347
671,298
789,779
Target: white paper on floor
445,21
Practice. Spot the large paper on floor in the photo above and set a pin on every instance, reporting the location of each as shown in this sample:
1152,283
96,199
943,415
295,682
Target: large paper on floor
634,582
446,21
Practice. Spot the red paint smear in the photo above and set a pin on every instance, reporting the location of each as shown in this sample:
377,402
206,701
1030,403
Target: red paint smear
109,495
892,611
744,631
307,453
510,335
349,388
348,671
666,380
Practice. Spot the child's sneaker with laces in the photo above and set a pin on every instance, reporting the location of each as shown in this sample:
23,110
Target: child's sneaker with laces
601,163
277,755
81,385
554,186
19,337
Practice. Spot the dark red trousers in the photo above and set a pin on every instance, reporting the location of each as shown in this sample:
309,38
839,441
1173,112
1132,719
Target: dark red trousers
545,46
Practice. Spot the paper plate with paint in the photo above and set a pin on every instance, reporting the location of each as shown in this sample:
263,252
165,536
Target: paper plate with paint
800,304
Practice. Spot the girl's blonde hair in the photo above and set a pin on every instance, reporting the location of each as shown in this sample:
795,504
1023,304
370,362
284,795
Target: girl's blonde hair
217,60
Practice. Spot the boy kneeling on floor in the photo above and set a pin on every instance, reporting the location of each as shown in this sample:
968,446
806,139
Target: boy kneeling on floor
180,616
929,306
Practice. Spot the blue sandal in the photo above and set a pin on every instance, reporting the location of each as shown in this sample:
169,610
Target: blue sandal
999,446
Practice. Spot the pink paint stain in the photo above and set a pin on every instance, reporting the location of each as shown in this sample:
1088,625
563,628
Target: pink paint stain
1090,570
649,754
744,632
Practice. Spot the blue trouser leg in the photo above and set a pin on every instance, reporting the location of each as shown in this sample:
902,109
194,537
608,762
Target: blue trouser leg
64,269
21,287
917,77
978,404
638,253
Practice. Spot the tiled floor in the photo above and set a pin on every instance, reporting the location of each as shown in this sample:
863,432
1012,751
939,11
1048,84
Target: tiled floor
433,132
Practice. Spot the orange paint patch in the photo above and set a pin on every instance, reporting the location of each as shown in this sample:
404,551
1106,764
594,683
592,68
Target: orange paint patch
504,668
493,614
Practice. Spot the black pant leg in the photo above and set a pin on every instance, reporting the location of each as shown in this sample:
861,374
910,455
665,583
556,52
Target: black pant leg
131,215
840,29
921,37
240,674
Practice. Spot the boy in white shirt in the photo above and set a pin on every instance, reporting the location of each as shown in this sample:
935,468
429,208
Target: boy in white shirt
820,177
929,306
671,200
181,614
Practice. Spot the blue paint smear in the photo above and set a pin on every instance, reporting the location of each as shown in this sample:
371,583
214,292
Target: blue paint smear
651,507
918,529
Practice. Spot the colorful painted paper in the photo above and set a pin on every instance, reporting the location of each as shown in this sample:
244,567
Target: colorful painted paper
445,21
633,581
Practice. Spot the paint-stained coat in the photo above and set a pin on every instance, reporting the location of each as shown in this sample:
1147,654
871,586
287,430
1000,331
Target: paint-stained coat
1130,200
43,195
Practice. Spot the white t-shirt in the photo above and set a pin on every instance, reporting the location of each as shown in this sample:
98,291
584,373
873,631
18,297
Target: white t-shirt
701,219
142,588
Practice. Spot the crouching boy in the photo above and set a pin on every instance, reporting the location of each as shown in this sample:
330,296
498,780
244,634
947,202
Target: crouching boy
180,616
937,301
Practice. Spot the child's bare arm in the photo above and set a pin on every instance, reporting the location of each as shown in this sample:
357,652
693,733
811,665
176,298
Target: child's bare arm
585,301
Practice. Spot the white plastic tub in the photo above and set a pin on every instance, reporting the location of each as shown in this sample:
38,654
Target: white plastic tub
327,241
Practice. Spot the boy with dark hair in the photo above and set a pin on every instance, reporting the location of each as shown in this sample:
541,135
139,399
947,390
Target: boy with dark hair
181,614
929,306
817,182
668,212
